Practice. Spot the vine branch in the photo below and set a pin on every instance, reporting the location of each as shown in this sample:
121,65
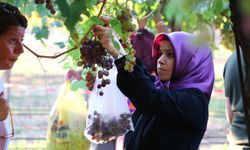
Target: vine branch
69,50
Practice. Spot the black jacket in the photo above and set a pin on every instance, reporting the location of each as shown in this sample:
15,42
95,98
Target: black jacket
164,119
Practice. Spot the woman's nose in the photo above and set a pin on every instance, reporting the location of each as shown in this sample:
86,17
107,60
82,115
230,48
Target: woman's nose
161,60
19,48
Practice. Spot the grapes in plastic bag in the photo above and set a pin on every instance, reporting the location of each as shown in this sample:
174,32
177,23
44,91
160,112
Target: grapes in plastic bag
108,113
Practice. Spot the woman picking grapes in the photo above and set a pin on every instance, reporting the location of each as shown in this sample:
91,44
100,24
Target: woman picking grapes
172,109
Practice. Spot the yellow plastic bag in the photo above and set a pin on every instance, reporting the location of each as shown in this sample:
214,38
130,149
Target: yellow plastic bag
67,121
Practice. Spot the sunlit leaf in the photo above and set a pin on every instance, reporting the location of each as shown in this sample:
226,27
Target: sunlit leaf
41,33
116,25
218,6
72,12
66,65
75,85
60,44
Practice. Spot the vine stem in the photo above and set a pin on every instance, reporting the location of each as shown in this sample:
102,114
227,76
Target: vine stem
69,50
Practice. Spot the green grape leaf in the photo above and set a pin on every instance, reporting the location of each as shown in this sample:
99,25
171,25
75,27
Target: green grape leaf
84,72
66,65
207,15
26,8
90,3
60,44
41,33
150,2
116,24
89,22
218,6
42,10
73,11
75,54
115,43
75,85
63,7
95,20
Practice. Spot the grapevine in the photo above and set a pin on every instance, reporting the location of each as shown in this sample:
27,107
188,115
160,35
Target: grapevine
125,18
90,47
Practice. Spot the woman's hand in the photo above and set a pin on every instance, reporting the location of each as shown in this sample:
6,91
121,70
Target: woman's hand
4,108
105,34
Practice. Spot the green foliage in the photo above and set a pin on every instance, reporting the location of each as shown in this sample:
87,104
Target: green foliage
78,16
78,85
116,24
41,33
72,12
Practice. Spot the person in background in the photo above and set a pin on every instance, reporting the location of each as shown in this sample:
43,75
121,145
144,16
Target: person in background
142,40
237,136
12,28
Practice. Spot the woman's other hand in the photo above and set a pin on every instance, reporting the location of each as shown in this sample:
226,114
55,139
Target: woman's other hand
4,107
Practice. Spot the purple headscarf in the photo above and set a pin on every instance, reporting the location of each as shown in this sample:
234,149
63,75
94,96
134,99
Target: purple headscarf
193,63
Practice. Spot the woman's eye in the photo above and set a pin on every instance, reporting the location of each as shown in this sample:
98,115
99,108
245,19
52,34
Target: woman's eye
13,41
170,55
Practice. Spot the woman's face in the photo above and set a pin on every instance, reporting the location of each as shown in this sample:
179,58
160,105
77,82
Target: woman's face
11,46
165,63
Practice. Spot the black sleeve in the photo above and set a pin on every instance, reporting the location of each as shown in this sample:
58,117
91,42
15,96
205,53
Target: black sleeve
183,106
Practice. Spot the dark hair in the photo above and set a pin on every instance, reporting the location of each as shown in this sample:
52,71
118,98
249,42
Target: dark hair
10,16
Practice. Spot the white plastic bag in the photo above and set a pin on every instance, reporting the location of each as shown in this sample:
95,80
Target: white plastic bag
108,115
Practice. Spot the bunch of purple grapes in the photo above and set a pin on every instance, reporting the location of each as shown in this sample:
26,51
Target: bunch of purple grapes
90,79
92,54
49,5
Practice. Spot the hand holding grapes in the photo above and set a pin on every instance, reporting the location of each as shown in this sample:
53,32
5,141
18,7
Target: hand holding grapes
4,108
104,34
